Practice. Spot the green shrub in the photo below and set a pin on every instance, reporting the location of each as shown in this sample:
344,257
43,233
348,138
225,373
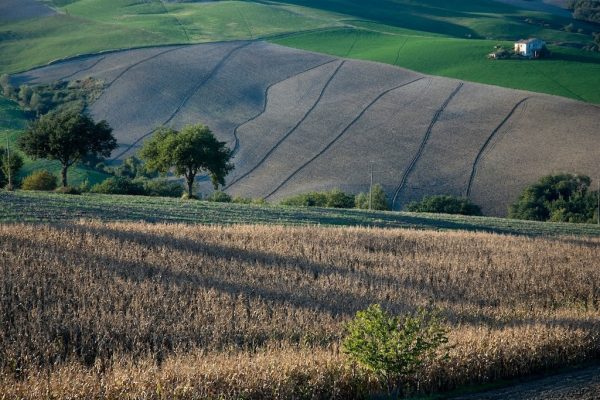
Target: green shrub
444,204
40,180
119,185
10,163
333,199
162,188
338,199
219,197
68,190
393,347
558,198
379,201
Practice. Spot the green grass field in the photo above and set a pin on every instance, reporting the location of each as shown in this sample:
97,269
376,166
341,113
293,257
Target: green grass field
24,206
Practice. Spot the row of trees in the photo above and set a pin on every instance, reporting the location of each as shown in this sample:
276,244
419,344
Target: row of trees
70,136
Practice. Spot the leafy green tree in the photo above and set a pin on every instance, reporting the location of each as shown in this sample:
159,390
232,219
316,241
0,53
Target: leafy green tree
119,185
559,198
444,204
379,199
25,93
189,152
67,137
7,88
11,163
394,347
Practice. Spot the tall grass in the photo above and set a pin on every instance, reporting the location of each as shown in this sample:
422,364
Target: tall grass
111,310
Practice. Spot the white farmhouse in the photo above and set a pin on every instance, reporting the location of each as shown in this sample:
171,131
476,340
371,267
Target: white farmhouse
531,48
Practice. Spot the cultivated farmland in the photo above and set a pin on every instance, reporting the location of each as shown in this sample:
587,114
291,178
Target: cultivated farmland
113,310
302,121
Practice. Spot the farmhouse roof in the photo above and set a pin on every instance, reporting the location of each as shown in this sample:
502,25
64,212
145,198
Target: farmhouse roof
526,41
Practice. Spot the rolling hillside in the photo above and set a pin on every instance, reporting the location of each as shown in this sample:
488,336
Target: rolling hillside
302,121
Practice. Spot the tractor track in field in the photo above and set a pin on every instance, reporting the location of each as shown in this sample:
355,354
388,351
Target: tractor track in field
419,152
190,94
487,143
82,69
342,133
130,67
294,128
266,101
177,20
400,50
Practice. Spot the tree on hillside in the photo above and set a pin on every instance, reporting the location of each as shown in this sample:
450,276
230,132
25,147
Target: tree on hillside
559,198
190,151
10,164
376,197
67,137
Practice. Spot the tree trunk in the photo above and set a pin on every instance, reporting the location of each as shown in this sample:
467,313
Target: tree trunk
64,175
190,184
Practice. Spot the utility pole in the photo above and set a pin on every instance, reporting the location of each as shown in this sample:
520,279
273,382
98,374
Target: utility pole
371,188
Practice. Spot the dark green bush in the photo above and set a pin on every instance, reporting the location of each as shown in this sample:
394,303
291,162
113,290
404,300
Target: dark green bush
559,198
444,204
333,199
68,190
119,185
379,201
162,188
219,197
40,180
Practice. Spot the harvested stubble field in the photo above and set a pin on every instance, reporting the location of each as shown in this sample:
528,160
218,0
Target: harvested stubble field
114,310
302,121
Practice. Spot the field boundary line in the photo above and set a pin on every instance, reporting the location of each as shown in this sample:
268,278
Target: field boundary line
487,143
266,100
346,129
294,128
190,94
98,61
421,149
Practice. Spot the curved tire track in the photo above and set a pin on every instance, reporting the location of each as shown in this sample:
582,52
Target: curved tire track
83,69
130,67
487,143
417,156
265,103
212,73
350,125
291,131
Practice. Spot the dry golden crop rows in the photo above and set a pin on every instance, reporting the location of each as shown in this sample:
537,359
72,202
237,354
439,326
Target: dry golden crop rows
94,309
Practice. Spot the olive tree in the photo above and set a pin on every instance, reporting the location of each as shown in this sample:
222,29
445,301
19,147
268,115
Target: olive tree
188,152
67,137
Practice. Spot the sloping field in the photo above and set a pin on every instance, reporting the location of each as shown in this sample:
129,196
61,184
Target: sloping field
16,10
303,121
94,310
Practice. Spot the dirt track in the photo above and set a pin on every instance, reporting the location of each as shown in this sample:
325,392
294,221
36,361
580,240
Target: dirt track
302,121
576,385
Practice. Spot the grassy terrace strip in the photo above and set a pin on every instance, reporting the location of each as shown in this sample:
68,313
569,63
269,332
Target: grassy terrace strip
23,206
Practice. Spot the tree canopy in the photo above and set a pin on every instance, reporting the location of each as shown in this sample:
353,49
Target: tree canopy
188,152
67,137
10,164
558,198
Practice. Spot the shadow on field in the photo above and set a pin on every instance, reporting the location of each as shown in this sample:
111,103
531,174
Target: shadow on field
413,16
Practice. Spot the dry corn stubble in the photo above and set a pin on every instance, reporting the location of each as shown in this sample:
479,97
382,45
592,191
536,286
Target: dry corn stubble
110,310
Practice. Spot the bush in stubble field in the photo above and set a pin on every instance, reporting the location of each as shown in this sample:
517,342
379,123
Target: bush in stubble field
394,347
